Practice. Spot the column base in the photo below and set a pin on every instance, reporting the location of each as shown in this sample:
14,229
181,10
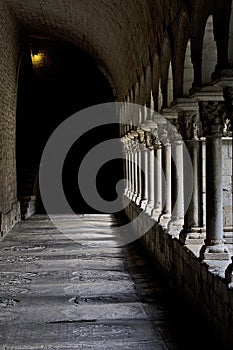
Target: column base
131,196
156,213
138,200
128,193
195,235
149,209
134,198
164,220
229,273
175,225
215,251
144,203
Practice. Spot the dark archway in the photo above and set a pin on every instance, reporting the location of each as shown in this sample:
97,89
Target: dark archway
55,82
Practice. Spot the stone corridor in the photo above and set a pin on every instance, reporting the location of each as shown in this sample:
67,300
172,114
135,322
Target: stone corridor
85,293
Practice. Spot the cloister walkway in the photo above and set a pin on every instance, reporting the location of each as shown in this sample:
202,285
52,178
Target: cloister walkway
85,292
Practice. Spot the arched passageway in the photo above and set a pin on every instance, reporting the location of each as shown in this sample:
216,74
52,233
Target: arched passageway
140,48
55,82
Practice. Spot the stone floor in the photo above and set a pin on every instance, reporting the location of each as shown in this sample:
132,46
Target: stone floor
83,291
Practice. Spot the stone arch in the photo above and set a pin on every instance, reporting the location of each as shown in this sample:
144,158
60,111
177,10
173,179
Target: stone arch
142,90
209,52
166,72
170,85
155,80
198,24
148,84
136,92
188,75
181,33
160,97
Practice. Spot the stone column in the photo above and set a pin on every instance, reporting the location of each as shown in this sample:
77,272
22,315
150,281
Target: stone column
139,169
166,180
130,186
151,136
126,165
213,123
145,192
156,212
177,218
134,134
190,128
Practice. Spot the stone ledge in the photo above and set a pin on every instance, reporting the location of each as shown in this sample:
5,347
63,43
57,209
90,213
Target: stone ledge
9,219
208,291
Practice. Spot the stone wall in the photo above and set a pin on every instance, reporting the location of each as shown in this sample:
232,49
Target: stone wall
208,295
9,60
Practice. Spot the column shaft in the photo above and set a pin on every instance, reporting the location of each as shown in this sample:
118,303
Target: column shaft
214,195
151,181
145,178
166,185
158,184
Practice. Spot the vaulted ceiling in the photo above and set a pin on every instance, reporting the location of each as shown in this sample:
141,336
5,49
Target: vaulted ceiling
116,33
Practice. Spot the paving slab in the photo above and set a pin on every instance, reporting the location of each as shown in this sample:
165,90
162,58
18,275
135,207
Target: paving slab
82,291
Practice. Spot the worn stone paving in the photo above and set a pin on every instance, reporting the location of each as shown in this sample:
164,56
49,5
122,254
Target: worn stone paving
82,293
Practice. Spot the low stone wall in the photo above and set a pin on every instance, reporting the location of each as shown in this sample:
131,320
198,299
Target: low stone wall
9,219
208,295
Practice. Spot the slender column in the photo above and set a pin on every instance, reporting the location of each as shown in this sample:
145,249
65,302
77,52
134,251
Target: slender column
190,127
126,165
129,167
166,180
134,134
212,118
132,166
135,173
177,218
156,213
151,137
144,173
139,168
151,185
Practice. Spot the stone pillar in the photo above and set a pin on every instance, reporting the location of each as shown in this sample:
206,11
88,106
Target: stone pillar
177,218
213,123
126,167
149,134
190,128
134,134
144,155
130,186
156,212
166,180
135,172
139,169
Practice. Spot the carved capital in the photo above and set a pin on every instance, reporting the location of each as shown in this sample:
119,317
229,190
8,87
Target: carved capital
212,116
141,136
189,125
164,136
173,132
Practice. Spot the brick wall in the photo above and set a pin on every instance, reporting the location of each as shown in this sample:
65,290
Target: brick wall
9,49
